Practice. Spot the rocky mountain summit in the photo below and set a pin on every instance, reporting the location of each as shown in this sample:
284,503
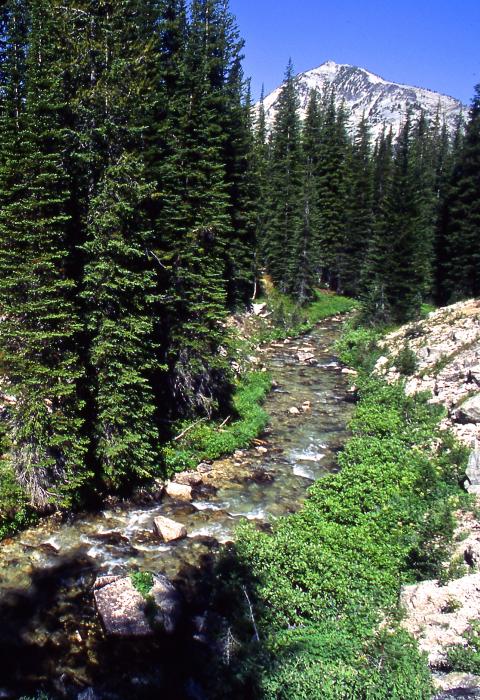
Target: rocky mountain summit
363,93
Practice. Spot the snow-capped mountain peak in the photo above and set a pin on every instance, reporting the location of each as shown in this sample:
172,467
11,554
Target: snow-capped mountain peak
364,93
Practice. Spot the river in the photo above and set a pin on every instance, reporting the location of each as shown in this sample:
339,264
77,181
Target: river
50,635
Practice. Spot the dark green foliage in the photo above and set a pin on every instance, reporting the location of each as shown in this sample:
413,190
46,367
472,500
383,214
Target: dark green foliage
406,361
463,227
359,223
40,333
284,223
119,294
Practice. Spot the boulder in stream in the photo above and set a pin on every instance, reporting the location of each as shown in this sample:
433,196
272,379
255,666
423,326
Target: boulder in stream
168,529
121,607
181,492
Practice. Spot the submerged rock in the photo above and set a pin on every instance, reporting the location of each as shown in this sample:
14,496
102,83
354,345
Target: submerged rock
121,607
169,530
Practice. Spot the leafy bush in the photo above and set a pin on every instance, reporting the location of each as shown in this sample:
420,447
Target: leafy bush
466,657
358,347
142,581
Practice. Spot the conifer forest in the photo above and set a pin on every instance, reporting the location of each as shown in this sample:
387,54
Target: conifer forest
144,201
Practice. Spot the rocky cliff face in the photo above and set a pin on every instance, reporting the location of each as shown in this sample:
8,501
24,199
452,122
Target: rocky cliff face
383,102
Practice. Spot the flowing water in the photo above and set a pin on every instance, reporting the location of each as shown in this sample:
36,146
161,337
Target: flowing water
50,635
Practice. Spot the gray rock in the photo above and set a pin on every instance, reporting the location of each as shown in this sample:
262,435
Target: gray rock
457,685
169,530
121,607
469,412
179,491
168,604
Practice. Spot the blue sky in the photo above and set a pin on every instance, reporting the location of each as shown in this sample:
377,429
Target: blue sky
429,43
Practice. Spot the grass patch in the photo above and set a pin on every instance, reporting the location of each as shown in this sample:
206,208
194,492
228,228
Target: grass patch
142,581
212,440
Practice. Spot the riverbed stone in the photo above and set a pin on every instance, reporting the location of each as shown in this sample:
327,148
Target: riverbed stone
121,607
168,604
294,411
169,530
181,492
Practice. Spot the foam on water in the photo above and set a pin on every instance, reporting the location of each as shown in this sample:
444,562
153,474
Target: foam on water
303,471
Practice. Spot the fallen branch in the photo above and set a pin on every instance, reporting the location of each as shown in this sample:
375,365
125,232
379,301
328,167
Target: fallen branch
224,423
187,430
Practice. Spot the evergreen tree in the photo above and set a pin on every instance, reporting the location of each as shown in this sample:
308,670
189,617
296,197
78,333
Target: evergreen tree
285,209
332,190
377,260
447,160
262,183
359,214
39,334
463,229
305,255
119,283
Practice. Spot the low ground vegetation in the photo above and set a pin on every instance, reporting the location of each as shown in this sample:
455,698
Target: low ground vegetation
325,583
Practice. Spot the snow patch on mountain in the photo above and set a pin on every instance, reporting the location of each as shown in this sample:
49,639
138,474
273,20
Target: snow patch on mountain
384,103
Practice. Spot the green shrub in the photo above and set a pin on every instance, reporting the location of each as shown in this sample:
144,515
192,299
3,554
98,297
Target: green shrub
358,348
325,576
466,657
406,361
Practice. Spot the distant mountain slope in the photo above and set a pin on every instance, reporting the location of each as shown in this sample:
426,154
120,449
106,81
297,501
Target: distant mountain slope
383,102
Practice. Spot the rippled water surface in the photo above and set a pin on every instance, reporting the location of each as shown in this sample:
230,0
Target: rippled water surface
50,635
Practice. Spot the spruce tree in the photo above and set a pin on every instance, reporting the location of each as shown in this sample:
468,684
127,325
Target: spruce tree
359,215
284,226
40,331
306,259
332,190
463,230
118,280
377,259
